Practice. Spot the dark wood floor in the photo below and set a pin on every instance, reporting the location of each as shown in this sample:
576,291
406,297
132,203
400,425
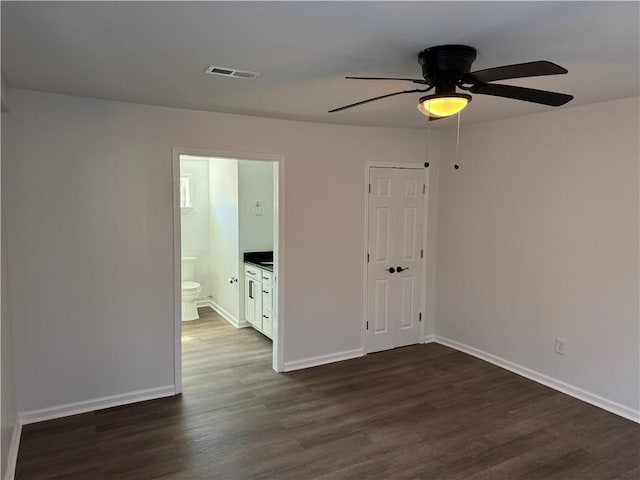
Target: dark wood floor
421,412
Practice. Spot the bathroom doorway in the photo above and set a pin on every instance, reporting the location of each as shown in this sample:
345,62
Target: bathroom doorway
227,256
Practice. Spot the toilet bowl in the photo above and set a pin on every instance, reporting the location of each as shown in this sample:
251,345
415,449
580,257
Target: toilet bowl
190,292
190,289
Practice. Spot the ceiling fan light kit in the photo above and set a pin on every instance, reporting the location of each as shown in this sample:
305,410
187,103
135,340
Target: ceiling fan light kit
443,105
446,68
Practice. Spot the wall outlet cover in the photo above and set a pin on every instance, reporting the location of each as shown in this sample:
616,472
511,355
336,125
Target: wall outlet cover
561,346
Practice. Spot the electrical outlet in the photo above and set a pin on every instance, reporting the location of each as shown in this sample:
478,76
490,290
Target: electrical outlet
561,346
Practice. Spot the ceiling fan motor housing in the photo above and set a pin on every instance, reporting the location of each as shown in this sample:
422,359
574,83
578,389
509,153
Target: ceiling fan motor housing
444,65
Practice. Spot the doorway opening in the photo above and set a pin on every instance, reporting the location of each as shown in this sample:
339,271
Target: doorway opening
227,259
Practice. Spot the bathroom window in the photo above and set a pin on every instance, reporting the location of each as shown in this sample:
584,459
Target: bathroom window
186,197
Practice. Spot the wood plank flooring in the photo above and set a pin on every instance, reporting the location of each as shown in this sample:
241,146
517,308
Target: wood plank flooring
420,412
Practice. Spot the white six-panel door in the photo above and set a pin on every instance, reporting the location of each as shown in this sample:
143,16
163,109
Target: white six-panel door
396,216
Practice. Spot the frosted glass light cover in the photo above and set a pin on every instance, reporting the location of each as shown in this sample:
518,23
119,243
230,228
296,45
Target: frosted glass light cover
444,106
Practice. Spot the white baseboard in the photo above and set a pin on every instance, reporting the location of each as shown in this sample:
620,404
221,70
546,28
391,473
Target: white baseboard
12,455
75,408
322,360
203,302
209,302
429,339
592,398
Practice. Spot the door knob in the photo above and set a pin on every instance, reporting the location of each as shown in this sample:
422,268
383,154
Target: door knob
400,269
391,270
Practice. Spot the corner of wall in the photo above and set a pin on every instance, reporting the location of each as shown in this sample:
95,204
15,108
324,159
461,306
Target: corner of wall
9,425
525,203
12,454
434,159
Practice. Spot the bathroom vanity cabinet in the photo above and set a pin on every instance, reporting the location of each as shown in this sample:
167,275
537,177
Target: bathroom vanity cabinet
258,298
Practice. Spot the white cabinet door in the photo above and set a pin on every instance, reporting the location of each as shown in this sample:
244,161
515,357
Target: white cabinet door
394,271
253,302
249,302
258,301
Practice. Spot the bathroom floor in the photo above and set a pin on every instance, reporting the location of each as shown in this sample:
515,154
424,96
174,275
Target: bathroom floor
210,345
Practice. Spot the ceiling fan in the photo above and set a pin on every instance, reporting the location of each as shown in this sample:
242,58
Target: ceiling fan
447,67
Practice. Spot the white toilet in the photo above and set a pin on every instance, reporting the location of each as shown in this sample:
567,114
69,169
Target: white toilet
190,289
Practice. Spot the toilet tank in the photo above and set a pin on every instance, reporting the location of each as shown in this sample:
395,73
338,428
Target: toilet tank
189,269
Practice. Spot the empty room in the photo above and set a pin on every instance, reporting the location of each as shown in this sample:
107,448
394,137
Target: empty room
320,240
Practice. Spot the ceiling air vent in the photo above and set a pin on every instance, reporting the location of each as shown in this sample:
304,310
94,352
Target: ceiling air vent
230,72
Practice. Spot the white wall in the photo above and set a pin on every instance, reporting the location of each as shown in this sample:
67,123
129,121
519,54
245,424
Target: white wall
194,222
255,184
224,235
4,91
94,246
8,410
538,239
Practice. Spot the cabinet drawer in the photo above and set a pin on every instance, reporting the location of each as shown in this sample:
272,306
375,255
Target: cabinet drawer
267,325
266,277
253,272
267,298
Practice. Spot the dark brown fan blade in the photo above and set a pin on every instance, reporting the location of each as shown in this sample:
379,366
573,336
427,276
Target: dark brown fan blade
521,93
520,70
414,80
377,98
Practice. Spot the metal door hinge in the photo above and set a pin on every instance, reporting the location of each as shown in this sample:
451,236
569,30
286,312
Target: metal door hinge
421,253
367,325
367,258
420,316
369,188
424,188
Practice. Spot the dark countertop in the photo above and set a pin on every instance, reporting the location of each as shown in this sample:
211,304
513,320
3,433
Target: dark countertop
263,260
263,266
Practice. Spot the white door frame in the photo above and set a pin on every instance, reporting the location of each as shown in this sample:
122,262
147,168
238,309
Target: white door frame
278,250
423,292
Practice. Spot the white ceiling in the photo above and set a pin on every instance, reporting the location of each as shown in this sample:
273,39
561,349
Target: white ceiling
155,53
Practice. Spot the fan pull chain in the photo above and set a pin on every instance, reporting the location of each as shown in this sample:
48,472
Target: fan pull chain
426,161
457,165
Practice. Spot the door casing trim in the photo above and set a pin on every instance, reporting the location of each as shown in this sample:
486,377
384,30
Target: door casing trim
423,290
278,249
